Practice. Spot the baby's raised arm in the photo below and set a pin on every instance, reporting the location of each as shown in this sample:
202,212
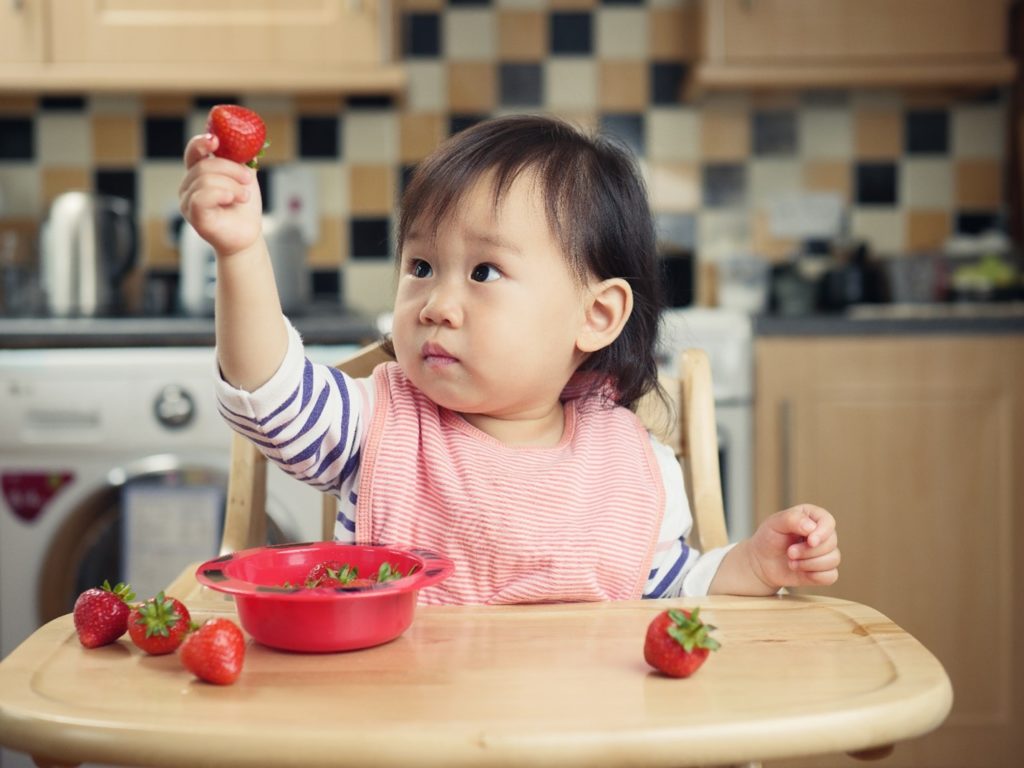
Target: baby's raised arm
221,200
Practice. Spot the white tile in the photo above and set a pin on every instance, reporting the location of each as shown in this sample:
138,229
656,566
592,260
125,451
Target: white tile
926,183
332,187
670,191
114,104
979,130
64,140
369,285
622,33
722,234
673,133
370,137
772,178
20,190
469,34
570,83
427,90
270,104
825,132
158,188
522,5
884,230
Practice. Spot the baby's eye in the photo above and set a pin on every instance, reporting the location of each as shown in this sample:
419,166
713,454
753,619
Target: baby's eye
420,268
483,273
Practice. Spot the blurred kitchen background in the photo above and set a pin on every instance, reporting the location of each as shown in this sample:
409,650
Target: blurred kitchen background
837,187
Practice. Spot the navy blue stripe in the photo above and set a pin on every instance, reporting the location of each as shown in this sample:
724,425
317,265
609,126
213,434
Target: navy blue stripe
309,451
350,525
673,572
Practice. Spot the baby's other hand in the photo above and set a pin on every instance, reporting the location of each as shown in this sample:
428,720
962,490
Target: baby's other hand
220,198
797,547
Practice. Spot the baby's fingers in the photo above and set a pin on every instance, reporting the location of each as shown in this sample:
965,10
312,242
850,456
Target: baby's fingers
823,570
199,147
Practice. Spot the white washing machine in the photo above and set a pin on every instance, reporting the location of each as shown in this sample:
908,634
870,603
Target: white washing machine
114,465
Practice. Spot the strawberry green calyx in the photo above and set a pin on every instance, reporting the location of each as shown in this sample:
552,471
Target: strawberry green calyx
387,572
159,616
345,574
255,162
120,590
690,632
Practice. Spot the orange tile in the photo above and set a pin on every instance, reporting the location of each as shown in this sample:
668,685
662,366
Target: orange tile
55,180
332,247
421,132
421,5
16,104
26,238
157,251
472,86
173,105
979,184
768,245
878,133
281,135
674,33
116,140
372,189
828,176
674,187
314,104
724,133
522,35
572,5
623,85
927,230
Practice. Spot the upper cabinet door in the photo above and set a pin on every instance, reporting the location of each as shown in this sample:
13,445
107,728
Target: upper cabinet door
796,43
21,32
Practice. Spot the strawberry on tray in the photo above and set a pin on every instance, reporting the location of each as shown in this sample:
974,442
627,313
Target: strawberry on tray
677,642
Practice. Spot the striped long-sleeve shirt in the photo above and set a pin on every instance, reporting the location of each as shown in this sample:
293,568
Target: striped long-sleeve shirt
312,421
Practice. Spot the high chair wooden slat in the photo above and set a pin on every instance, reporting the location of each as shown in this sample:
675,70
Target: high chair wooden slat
687,424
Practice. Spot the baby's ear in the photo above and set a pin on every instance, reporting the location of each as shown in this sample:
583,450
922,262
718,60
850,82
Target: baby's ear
607,306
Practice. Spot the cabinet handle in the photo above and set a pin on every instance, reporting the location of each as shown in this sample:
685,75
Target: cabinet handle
785,423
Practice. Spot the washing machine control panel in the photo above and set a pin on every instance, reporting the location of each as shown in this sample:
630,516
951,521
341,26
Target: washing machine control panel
174,407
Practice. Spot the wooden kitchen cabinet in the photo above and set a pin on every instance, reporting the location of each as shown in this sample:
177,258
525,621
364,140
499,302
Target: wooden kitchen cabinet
196,46
21,34
916,445
840,43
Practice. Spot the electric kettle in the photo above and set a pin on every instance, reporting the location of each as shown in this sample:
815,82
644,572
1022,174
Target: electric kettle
87,245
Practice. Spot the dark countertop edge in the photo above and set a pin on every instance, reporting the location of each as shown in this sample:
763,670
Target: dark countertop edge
838,325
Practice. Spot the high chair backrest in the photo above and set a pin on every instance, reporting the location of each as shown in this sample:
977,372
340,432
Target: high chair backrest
689,427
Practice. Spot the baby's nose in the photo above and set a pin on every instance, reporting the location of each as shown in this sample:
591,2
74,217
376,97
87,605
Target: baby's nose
443,307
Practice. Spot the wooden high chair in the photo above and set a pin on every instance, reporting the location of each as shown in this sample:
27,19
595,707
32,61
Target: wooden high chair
692,433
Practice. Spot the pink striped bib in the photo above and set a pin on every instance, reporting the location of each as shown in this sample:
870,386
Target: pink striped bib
577,521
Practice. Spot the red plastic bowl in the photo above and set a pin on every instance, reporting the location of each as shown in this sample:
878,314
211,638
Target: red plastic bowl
295,618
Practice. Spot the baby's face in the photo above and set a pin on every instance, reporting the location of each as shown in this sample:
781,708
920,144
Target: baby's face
487,313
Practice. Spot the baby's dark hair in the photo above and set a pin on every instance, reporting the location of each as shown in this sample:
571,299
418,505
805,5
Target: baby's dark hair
596,207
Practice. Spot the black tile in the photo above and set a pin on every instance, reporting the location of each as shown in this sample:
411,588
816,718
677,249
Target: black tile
17,138
326,283
676,231
724,185
461,122
521,85
571,33
165,137
370,238
116,182
422,34
774,132
977,222
627,128
927,132
369,102
265,179
319,136
876,183
209,102
667,78
62,103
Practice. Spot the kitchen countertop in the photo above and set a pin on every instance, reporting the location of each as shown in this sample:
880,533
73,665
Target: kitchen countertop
322,325
889,319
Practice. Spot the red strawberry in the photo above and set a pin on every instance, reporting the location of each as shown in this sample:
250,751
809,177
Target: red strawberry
215,652
241,132
677,642
318,575
158,625
101,614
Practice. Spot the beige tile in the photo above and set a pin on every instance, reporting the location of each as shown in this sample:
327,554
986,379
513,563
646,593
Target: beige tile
828,176
672,134
926,182
826,132
883,229
56,180
878,134
570,84
621,33
371,137
770,178
979,184
331,249
469,34
116,140
522,35
927,230
623,86
768,245
158,183
420,134
22,188
369,285
372,189
724,133
674,187
472,86
428,86
674,33
157,251
332,187
64,139
978,130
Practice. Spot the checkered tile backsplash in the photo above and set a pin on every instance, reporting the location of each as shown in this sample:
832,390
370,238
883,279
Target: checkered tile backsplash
914,167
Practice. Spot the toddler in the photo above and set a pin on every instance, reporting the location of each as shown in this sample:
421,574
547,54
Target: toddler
503,435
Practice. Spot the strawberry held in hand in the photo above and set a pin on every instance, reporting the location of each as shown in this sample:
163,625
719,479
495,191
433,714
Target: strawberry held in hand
241,133
101,614
215,652
677,642
159,625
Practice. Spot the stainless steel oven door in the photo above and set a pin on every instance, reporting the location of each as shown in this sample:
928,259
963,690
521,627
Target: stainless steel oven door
735,458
